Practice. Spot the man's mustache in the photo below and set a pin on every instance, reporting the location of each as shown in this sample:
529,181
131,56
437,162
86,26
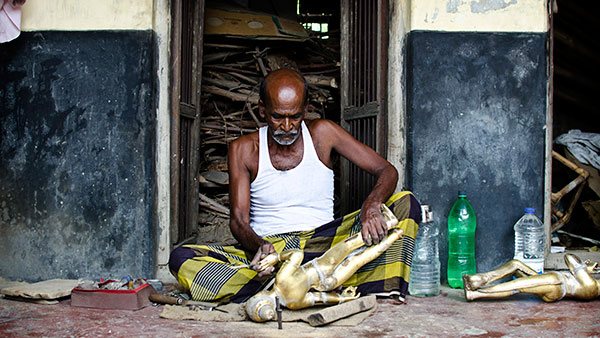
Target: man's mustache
292,133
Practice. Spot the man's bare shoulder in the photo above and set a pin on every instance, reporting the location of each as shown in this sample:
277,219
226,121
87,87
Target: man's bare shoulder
324,131
243,155
322,128
245,143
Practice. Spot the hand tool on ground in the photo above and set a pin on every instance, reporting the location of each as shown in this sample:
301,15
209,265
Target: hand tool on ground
170,300
279,312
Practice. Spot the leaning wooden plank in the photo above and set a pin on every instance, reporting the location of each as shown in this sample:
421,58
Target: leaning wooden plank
224,83
321,80
231,69
214,205
253,98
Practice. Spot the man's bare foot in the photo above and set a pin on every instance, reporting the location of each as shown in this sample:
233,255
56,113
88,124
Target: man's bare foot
473,282
469,293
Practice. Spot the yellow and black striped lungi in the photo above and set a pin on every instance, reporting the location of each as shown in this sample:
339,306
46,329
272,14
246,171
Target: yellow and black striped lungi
207,270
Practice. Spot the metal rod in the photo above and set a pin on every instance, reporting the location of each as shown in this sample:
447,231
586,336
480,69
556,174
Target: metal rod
278,310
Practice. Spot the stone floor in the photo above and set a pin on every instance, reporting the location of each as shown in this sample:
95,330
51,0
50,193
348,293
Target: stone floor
447,315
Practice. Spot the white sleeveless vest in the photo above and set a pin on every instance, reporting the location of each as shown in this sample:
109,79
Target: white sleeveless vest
298,199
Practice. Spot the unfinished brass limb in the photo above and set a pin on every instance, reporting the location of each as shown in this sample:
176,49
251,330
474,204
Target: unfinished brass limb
300,286
551,286
579,183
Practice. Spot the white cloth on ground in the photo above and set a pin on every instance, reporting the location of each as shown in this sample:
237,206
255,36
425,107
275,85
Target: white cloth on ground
584,146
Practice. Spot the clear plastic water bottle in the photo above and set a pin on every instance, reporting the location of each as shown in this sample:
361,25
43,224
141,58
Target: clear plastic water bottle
519,231
425,267
461,241
533,238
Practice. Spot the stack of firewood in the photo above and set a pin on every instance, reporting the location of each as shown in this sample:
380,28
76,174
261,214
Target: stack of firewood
231,77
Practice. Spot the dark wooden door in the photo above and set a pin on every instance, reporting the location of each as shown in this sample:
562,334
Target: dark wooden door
186,69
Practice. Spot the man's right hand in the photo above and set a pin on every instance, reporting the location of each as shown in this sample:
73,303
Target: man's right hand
263,251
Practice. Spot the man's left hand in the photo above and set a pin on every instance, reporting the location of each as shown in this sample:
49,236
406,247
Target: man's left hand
374,228
264,250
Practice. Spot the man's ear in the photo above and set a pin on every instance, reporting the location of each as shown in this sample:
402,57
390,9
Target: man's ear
261,109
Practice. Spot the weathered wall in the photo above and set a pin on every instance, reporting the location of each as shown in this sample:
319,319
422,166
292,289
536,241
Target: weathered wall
476,114
77,139
71,15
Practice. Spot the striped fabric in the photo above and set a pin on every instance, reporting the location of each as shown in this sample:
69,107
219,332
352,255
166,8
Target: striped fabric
210,276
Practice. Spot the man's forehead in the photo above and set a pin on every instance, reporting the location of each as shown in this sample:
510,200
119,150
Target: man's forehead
287,94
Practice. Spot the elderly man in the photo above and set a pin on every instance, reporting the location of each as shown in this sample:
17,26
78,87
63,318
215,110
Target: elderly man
281,197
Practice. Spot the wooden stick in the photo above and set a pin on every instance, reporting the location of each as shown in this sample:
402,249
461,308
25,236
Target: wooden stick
260,62
216,206
249,107
231,95
321,80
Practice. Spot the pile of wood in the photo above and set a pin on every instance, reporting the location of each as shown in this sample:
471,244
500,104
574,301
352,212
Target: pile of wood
232,72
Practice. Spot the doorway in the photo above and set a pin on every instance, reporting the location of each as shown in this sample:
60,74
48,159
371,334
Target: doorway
215,93
576,216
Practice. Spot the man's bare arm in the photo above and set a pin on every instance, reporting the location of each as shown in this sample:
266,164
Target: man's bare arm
373,224
239,196
239,201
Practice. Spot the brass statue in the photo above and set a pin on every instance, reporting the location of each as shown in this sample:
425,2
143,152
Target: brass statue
551,286
301,286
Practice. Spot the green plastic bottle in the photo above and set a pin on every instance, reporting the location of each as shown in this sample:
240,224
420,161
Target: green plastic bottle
461,241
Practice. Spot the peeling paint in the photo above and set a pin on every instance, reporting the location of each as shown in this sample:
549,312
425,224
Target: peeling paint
480,15
484,6
453,5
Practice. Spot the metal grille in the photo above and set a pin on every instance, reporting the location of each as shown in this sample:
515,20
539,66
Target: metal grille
361,182
363,53
362,114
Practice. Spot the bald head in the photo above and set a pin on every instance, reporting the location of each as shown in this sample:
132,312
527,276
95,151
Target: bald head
283,85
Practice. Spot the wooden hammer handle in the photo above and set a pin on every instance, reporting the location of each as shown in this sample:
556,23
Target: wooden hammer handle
164,299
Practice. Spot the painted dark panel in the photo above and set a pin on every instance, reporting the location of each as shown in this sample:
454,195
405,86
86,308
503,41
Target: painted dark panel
477,111
76,155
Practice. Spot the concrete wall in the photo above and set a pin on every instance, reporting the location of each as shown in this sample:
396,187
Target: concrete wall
476,113
77,141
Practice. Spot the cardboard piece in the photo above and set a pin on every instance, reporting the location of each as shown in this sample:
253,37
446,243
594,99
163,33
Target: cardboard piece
350,313
347,314
252,25
227,313
5,283
112,299
50,289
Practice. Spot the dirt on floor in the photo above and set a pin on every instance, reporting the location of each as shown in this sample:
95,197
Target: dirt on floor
447,315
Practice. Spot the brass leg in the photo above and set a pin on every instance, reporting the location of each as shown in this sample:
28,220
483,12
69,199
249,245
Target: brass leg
476,281
349,266
339,252
546,286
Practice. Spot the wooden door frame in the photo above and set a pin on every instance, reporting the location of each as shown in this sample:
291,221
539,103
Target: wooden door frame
191,198
175,70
